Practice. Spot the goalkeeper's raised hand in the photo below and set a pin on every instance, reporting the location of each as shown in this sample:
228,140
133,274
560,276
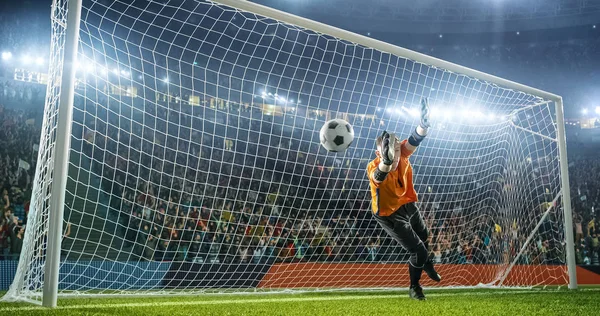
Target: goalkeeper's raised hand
425,123
420,132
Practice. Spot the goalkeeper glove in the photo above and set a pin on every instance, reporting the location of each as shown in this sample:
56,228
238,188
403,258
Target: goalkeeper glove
388,146
420,132
425,124
387,152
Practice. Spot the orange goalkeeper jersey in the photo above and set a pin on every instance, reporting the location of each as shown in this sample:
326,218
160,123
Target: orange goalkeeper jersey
397,188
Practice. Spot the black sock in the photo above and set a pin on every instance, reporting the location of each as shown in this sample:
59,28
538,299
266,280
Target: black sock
415,275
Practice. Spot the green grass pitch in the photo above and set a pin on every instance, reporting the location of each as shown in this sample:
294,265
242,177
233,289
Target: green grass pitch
585,301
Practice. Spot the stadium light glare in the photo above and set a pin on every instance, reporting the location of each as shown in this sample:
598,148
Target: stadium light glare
584,111
88,68
598,110
6,55
26,59
39,61
166,79
447,115
413,112
464,114
478,114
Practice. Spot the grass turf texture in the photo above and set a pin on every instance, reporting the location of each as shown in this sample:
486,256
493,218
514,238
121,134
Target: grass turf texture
447,302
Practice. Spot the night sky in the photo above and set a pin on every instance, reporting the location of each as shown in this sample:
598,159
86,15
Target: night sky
36,6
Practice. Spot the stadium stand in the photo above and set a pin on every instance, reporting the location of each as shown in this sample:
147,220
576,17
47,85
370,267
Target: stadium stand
161,224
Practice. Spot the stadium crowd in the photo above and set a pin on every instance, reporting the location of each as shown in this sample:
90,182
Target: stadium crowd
164,221
224,182
19,135
235,200
585,188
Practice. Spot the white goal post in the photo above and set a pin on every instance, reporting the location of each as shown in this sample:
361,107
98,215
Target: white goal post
215,113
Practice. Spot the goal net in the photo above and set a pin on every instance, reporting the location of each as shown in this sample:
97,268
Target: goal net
195,162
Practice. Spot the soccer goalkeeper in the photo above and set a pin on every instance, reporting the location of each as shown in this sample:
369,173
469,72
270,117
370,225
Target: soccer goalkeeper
390,176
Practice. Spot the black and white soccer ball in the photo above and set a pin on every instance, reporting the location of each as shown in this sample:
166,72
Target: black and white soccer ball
336,135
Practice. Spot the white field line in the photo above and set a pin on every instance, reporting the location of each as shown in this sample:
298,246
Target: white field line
272,300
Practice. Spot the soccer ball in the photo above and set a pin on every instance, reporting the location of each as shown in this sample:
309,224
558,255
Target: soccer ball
336,135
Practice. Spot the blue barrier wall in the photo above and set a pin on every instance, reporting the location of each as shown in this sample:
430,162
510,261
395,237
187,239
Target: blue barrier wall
99,275
8,269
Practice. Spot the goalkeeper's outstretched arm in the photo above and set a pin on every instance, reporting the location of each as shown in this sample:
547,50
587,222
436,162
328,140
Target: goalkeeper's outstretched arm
389,147
420,132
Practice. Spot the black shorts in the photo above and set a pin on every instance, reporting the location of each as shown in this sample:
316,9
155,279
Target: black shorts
406,226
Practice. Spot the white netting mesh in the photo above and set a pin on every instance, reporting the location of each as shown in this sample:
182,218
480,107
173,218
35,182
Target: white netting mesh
195,160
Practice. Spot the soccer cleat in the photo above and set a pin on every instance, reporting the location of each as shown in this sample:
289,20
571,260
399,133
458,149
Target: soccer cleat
416,293
431,273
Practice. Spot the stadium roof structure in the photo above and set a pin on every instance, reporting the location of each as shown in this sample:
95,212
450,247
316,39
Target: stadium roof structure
447,16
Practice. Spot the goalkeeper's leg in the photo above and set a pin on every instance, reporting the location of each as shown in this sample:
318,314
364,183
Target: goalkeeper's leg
398,226
418,225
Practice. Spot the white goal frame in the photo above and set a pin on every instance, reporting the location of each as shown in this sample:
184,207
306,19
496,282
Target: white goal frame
63,134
